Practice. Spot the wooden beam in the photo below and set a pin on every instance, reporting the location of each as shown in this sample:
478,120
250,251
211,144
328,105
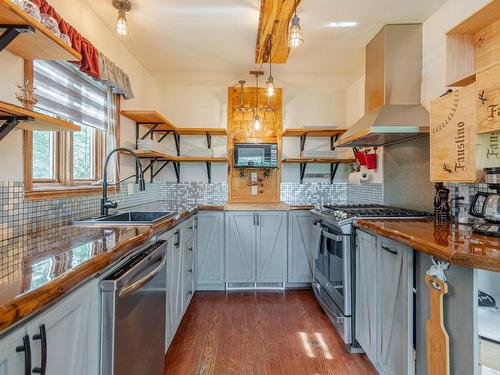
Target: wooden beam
275,16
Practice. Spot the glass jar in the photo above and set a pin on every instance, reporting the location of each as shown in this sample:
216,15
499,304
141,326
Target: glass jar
32,9
50,23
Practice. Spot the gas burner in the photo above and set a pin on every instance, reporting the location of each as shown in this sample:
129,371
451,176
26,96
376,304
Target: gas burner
343,212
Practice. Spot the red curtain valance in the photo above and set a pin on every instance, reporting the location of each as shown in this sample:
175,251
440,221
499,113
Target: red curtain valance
90,55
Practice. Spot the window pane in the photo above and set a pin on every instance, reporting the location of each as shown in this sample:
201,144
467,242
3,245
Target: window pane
43,154
83,160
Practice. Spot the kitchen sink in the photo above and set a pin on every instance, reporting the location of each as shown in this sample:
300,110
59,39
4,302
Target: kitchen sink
128,218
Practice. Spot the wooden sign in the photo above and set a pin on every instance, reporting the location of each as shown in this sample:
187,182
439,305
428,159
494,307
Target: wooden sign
488,100
253,184
453,137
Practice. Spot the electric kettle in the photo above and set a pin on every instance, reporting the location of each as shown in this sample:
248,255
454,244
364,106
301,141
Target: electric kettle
490,210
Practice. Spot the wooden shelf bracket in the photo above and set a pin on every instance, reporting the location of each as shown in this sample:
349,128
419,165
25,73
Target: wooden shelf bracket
10,124
12,32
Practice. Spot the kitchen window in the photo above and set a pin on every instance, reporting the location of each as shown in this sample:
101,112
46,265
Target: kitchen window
69,161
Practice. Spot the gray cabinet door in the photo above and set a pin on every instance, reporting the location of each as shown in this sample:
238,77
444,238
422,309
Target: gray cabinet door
395,293
11,361
240,247
174,283
210,248
70,334
366,293
271,246
300,257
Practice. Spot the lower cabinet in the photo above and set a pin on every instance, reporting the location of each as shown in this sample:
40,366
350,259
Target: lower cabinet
210,252
384,303
63,340
300,256
180,270
256,245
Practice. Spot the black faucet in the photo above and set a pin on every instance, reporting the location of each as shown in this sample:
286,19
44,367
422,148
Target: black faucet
107,203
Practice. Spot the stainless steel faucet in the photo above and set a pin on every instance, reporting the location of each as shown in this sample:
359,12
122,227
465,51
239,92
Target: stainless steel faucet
107,203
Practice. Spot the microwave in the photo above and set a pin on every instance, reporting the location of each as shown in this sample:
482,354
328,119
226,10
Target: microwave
256,155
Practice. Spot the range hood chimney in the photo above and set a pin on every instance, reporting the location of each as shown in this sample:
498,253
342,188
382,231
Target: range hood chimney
392,90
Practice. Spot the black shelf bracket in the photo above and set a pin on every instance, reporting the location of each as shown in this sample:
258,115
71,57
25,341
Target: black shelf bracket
333,139
10,124
333,171
303,138
155,173
150,132
167,132
177,167
12,32
209,140
177,139
209,172
302,172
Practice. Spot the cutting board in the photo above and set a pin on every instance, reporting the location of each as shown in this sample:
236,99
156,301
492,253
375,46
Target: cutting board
438,346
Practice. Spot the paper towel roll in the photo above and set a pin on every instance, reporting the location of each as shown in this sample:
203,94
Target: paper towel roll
355,178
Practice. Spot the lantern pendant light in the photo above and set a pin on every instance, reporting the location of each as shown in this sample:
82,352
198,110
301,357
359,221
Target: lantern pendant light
123,6
256,124
270,80
295,36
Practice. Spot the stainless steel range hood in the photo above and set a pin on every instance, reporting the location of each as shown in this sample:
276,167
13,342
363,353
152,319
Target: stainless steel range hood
392,90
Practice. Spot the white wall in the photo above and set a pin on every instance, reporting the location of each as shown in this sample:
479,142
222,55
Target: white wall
434,44
79,14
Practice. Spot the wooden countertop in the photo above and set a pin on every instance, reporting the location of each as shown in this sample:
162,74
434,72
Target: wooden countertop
452,242
41,268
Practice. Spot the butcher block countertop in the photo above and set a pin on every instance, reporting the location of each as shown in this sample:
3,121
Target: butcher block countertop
452,242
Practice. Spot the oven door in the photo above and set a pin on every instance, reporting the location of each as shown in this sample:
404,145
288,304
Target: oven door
333,268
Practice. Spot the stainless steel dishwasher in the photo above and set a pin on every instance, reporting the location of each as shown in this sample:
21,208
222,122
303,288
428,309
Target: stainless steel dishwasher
133,312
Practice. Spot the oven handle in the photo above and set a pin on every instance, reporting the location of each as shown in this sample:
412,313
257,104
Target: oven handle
333,237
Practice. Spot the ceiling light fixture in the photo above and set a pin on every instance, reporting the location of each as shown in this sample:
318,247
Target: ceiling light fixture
270,80
295,36
341,24
123,6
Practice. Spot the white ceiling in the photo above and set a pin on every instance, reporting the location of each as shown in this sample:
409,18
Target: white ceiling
212,42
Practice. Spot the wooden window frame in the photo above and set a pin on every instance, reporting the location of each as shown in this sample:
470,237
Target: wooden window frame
63,184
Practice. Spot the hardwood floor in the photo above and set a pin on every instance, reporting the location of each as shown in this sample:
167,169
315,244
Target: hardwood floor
259,333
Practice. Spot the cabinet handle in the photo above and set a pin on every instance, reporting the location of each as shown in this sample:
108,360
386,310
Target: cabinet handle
177,238
42,336
395,252
190,270
190,292
195,223
26,348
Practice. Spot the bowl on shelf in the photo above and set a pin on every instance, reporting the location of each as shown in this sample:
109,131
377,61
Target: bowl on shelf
50,23
31,8
66,39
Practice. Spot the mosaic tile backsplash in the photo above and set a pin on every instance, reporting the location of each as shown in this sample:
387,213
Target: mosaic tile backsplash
19,217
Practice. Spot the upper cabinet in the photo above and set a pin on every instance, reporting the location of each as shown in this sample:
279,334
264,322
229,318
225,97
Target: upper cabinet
488,100
472,45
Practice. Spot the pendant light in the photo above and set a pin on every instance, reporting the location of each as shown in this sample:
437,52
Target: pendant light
270,80
123,6
295,36
256,124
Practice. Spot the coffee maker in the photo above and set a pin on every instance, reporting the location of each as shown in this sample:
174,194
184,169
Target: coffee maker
489,205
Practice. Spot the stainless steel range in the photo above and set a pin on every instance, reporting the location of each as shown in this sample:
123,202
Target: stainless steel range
334,268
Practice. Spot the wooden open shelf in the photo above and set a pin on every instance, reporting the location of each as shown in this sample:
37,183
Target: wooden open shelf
313,132
36,121
151,154
320,160
40,45
152,118
472,45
